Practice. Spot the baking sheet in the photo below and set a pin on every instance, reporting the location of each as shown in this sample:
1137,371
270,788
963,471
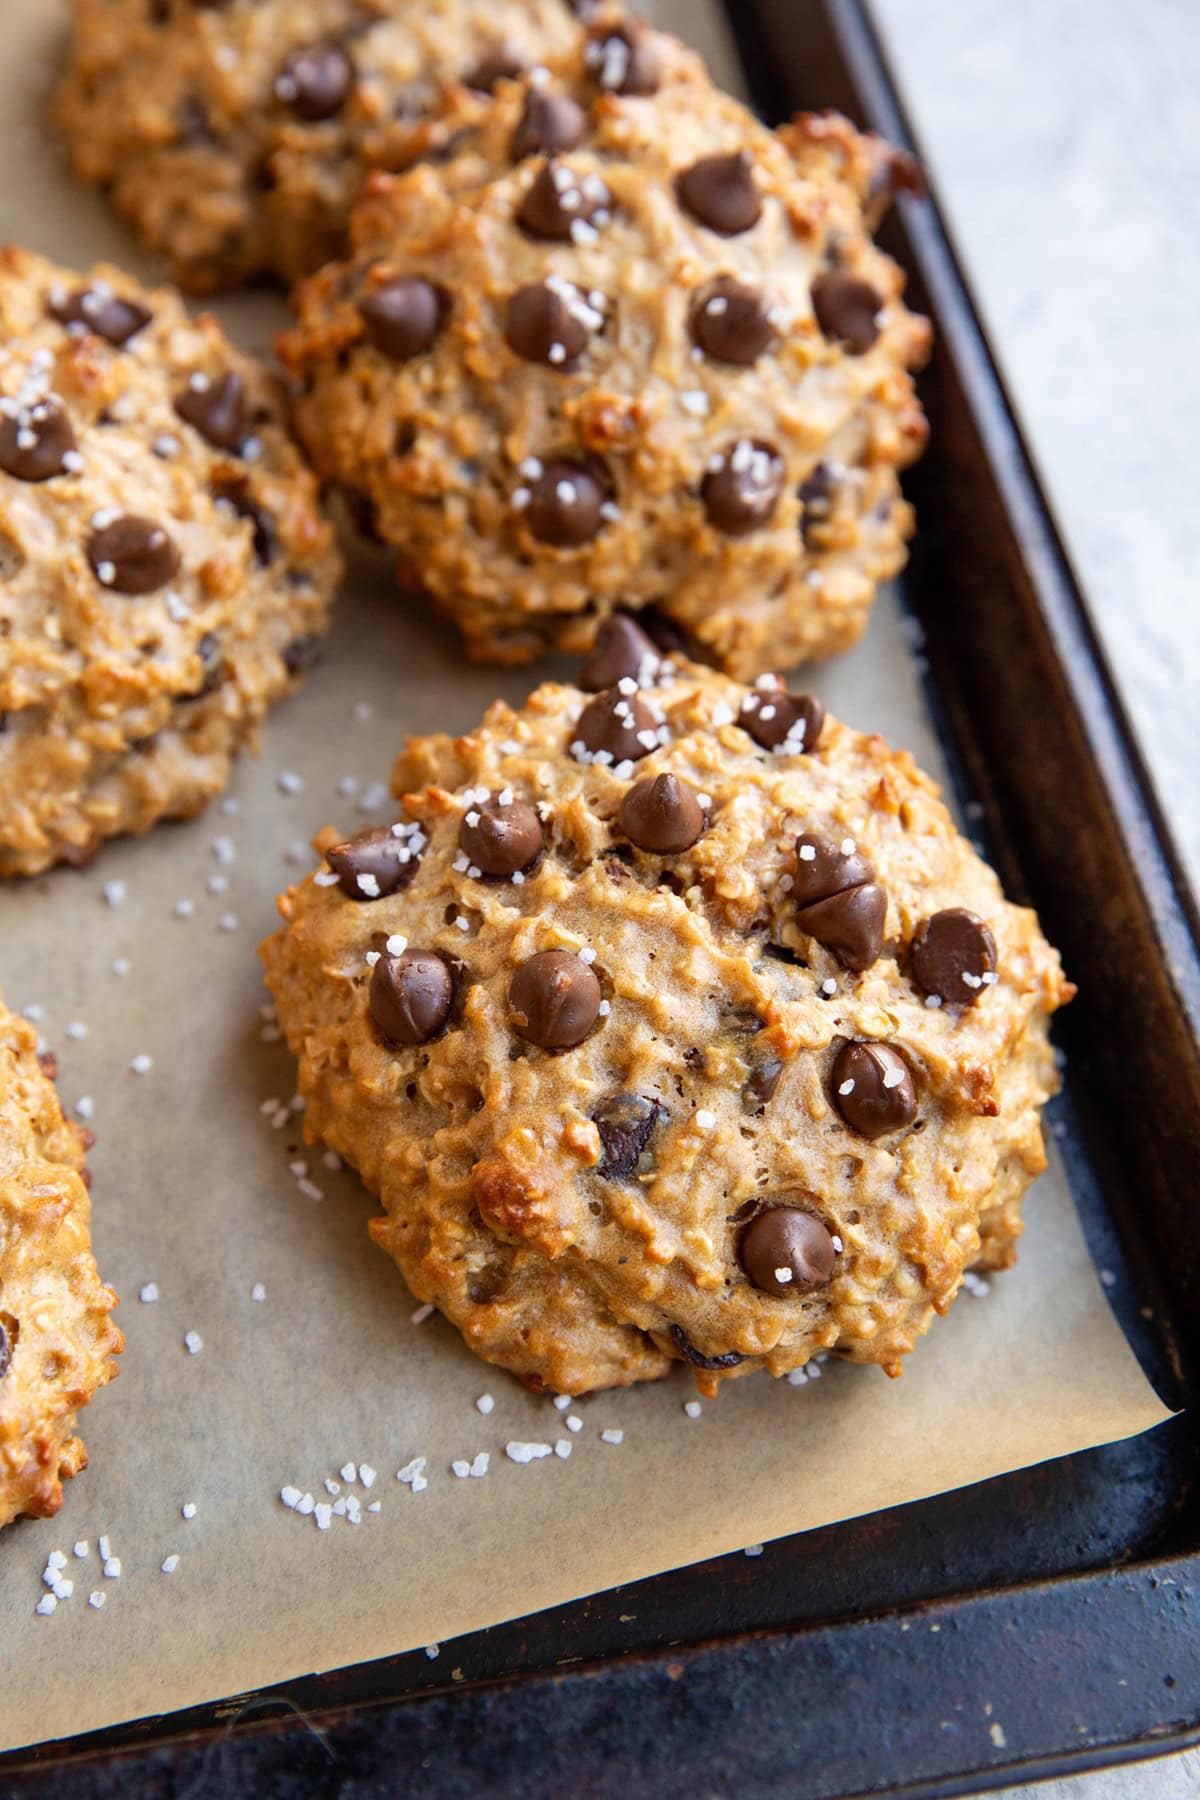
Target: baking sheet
201,1192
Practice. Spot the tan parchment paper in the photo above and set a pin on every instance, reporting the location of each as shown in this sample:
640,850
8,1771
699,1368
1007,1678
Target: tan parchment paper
198,1192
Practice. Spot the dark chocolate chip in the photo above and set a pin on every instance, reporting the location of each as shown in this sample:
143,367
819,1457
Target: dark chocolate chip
826,866
720,192
623,60
873,1089
103,312
850,924
555,1000
36,442
564,505
376,862
315,82
504,63
616,727
787,1251
549,121
742,487
500,837
779,720
551,321
689,1353
954,956
625,1122
403,317
730,322
816,495
6,1350
562,206
759,1090
216,409
847,309
132,555
410,996
236,493
621,651
662,814
302,653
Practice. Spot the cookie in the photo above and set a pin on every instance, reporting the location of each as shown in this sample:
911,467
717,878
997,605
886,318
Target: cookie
672,1022
627,348
57,1341
165,571
234,135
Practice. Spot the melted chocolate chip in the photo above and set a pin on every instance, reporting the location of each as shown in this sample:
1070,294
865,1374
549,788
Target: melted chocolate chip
132,555
409,996
36,442
786,1251
730,322
616,727
103,312
816,495
662,814
403,317
689,1353
621,651
376,862
216,409
847,309
625,1122
315,82
623,60
720,192
6,1350
500,838
565,505
504,63
759,1090
236,492
840,902
742,487
552,322
555,1000
779,720
873,1089
564,207
548,122
954,956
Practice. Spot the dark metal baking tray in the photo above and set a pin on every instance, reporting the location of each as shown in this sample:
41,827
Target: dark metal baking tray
856,1659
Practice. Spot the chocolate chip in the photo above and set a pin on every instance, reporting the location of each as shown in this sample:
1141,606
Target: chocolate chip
409,996
504,63
132,555
103,312
623,61
216,409
787,1251
403,317
873,1089
689,1353
779,720
662,814
315,82
816,494
549,121
377,862
302,653
37,442
6,1350
742,487
616,727
621,651
840,902
847,308
562,206
826,866
551,321
625,1122
564,505
759,1090
555,1000
500,837
212,666
954,956
235,492
730,322
720,192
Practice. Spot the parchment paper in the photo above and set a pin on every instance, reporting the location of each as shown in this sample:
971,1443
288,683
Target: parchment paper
194,1191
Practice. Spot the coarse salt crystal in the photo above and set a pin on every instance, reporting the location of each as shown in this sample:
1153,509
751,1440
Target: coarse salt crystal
519,1452
612,1436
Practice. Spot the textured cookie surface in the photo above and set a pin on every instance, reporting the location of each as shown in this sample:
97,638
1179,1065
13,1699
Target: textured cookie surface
672,1024
626,347
235,136
57,1341
164,569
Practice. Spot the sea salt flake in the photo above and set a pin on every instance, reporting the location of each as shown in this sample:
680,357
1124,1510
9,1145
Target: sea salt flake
611,1436
520,1452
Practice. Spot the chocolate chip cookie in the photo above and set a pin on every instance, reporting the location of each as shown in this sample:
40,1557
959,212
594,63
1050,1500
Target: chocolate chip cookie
672,1020
164,569
234,135
626,348
57,1341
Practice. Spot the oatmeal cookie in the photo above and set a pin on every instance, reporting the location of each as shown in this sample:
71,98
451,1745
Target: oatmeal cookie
626,348
672,1021
165,571
57,1341
234,135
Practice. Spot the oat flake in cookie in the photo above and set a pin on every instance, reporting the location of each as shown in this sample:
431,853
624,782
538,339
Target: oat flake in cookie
664,1086
647,371
234,135
165,571
57,1341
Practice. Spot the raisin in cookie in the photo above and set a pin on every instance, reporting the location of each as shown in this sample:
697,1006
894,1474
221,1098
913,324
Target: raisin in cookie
628,347
672,1021
57,1341
164,569
235,134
